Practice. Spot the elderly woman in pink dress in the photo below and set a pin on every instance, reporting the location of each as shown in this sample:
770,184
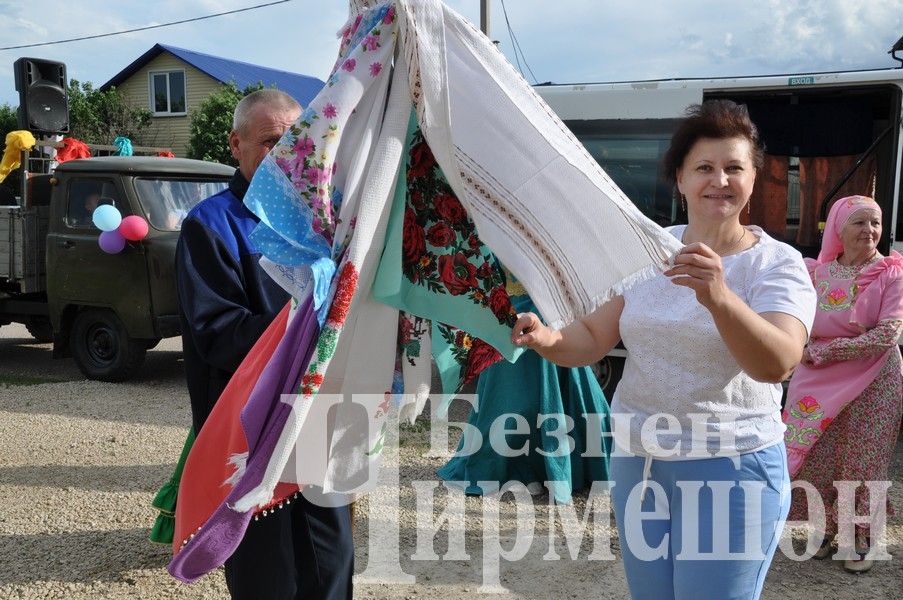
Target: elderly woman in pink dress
846,397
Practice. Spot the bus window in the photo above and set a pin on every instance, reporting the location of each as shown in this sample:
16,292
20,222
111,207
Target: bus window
634,164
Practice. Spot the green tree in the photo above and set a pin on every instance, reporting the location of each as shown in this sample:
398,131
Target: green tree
8,119
211,123
99,117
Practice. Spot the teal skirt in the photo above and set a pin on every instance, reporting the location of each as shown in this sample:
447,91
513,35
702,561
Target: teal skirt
531,387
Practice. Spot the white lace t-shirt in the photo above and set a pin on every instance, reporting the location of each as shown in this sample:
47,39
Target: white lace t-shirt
679,365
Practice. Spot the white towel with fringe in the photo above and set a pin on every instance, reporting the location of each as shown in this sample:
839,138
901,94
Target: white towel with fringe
541,203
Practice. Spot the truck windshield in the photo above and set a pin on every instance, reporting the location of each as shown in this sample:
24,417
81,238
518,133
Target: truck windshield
167,201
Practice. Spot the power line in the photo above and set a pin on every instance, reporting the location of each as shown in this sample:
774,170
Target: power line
516,46
100,35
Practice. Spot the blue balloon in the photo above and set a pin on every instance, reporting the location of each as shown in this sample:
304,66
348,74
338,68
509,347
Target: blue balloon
106,217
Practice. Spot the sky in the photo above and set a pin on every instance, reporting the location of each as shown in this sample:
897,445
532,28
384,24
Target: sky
564,41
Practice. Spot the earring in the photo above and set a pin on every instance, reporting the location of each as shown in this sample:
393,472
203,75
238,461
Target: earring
683,203
748,202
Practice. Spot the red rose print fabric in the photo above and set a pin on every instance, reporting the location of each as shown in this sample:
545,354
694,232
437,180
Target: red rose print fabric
434,266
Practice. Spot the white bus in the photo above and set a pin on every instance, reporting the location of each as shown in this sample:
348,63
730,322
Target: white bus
826,136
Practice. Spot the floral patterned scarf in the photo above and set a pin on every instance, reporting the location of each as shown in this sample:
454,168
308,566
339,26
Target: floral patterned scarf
434,266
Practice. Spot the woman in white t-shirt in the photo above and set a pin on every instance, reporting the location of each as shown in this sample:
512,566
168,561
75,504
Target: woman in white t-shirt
699,474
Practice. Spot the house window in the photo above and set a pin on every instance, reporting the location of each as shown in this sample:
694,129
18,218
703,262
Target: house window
167,93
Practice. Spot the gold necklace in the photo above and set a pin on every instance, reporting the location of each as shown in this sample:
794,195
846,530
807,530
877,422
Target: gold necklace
734,243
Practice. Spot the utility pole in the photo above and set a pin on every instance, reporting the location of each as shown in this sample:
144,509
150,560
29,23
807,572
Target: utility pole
484,16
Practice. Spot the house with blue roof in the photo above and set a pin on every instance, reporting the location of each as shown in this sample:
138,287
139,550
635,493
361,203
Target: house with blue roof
171,81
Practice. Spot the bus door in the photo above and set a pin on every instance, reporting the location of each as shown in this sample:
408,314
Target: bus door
822,144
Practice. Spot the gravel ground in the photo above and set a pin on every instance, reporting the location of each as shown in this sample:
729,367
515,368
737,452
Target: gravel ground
80,462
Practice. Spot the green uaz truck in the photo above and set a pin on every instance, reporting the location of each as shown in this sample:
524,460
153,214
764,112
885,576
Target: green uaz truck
104,310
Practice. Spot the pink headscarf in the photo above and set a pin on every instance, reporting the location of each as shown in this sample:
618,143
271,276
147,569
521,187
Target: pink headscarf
840,213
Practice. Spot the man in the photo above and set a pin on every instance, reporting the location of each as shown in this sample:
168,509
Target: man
226,303
84,215
92,202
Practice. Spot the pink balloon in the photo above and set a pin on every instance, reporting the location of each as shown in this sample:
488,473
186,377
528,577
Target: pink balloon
111,242
133,228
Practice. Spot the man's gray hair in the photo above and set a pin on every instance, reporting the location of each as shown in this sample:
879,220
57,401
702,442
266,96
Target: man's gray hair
276,100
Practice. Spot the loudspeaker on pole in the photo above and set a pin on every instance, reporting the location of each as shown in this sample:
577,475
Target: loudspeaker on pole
43,95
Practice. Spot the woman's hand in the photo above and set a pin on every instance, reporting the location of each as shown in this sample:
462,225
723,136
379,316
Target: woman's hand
807,358
699,268
529,331
583,342
812,353
768,345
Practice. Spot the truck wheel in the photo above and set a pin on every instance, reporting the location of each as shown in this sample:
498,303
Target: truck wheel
40,329
608,373
102,348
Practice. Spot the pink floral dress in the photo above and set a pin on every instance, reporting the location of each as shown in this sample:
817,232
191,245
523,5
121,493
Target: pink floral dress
845,400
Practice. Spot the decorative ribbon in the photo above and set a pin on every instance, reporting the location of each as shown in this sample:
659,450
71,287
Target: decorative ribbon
125,146
72,149
16,142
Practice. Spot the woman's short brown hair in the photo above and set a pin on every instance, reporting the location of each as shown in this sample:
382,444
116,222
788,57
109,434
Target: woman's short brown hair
713,119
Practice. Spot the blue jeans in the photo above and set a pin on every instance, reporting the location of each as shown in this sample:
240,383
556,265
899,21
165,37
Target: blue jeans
667,540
